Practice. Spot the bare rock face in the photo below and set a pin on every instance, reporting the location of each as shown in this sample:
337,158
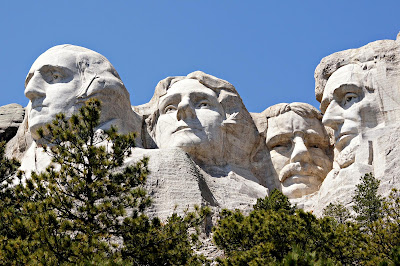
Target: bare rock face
61,80
298,146
11,117
359,91
205,148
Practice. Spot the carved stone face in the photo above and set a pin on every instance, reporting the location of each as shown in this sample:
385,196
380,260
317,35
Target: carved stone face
52,85
298,149
349,108
190,118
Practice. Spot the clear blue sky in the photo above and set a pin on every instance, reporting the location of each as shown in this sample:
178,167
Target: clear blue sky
267,49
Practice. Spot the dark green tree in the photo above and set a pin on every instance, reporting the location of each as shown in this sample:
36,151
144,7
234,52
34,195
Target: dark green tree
275,202
367,202
273,234
153,242
338,212
88,207
384,233
8,167
80,200
13,229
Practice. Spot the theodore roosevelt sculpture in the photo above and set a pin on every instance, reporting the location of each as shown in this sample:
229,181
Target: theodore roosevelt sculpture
299,147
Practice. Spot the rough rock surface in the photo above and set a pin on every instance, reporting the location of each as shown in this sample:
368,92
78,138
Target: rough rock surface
11,116
359,91
176,183
205,148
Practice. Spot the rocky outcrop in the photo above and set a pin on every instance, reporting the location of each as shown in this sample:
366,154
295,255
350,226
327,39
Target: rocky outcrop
11,117
205,148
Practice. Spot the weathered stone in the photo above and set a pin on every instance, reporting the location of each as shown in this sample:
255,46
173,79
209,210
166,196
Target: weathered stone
11,116
61,80
359,90
65,76
205,148
299,148
202,115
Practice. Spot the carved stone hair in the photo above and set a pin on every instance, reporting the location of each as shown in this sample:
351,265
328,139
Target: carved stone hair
383,53
100,79
241,133
225,91
302,109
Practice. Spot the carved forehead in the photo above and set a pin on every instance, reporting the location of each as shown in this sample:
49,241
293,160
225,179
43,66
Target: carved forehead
352,74
291,122
71,56
188,86
55,57
282,128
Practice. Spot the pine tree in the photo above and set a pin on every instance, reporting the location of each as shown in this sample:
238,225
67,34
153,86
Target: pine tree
367,202
13,231
79,202
276,201
88,207
384,233
275,234
338,212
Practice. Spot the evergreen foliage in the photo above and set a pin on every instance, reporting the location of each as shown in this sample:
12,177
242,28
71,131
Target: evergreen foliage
338,212
87,208
367,202
80,206
274,234
275,202
384,233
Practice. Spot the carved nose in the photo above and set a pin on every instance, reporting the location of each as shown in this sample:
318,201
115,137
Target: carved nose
185,110
333,116
300,152
33,89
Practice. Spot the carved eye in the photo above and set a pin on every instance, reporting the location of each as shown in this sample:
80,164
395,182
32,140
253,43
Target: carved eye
169,109
281,146
350,98
204,105
56,77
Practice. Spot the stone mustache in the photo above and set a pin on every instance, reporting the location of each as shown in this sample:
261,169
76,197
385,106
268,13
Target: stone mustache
206,148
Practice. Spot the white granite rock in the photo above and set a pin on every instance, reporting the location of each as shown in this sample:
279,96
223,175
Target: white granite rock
204,116
205,148
298,146
61,80
176,183
11,116
359,91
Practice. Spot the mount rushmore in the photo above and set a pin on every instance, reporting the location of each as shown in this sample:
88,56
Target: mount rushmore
206,148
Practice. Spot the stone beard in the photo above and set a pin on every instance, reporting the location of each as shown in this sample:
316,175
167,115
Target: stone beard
298,149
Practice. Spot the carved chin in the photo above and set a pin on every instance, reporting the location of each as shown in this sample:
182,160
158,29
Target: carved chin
298,189
346,157
35,124
187,140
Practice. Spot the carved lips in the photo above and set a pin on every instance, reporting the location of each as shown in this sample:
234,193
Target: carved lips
298,169
181,128
343,139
